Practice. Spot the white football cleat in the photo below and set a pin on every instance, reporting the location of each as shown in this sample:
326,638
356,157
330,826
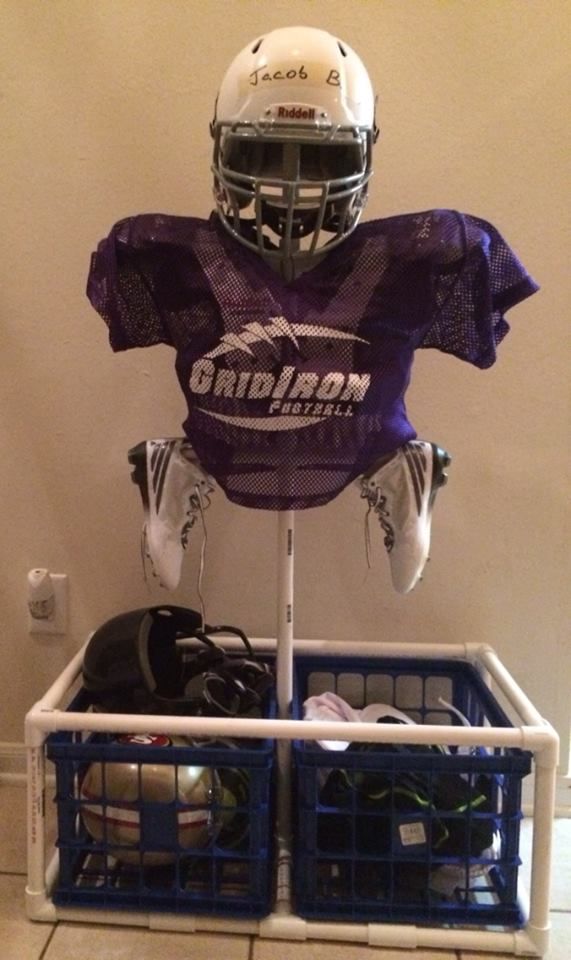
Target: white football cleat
401,492
175,490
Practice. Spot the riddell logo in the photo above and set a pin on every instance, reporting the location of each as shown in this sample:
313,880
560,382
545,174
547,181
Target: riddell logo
296,113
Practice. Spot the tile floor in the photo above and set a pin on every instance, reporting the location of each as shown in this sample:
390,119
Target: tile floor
21,939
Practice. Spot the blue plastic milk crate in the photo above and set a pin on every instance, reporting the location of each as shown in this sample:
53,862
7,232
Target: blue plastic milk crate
407,833
159,823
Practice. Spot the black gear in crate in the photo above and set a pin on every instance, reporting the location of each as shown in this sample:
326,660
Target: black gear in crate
161,822
407,832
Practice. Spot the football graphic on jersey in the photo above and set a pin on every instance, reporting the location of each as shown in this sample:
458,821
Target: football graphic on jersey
149,812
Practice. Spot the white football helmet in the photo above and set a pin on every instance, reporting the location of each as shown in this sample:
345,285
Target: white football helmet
293,131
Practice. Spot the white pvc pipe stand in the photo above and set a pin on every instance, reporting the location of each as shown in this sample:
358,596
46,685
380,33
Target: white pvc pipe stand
284,691
532,733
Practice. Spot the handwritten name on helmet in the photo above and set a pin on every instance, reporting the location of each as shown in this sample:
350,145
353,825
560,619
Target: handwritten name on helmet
265,75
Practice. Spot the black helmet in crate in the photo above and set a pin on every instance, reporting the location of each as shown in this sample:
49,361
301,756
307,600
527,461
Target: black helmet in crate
134,664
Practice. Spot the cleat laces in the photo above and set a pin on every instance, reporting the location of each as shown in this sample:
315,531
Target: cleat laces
377,504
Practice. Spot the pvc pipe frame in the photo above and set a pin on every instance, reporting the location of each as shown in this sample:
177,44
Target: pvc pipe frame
534,734
284,692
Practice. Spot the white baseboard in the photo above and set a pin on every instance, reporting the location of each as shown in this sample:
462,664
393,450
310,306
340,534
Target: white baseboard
12,759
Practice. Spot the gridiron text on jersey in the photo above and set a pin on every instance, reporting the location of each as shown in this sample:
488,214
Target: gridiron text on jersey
289,391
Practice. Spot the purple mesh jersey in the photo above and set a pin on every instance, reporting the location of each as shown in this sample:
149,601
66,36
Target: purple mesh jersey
295,389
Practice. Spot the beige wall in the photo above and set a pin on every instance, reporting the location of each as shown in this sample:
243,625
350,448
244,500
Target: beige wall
104,113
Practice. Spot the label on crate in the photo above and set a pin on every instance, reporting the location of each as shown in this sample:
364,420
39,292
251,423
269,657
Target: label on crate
412,834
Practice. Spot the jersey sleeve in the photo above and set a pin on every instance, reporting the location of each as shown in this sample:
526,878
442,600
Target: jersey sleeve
473,290
122,287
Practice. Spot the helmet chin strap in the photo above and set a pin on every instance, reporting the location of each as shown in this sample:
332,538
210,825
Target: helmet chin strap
290,268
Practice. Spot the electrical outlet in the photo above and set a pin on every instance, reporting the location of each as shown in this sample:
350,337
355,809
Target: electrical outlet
47,602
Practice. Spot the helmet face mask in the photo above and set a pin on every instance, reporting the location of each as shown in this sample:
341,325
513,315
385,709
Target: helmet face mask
292,149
